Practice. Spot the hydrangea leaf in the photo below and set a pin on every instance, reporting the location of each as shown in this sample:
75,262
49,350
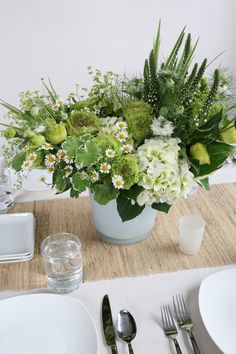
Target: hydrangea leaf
74,193
59,181
18,161
89,155
126,209
79,184
104,193
165,207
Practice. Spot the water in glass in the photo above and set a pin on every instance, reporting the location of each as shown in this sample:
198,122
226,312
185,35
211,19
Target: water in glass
63,264
6,196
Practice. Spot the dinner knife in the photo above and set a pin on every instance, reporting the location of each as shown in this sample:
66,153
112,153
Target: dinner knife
108,327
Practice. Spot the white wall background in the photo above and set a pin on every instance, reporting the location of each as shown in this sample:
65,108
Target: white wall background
60,38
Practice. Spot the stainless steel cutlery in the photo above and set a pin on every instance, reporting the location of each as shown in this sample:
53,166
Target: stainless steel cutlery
184,319
108,327
169,326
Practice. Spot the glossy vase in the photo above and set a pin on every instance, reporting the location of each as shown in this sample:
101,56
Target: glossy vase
110,228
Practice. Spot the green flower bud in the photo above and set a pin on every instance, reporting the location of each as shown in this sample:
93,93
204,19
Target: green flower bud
56,134
139,118
127,167
36,141
10,133
229,135
199,152
29,133
84,122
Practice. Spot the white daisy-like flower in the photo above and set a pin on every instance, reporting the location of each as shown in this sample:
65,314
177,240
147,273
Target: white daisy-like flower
50,170
78,166
42,179
118,182
47,146
68,171
121,125
32,157
110,153
27,164
50,160
60,102
127,148
94,176
105,167
56,106
61,154
122,135
68,159
40,129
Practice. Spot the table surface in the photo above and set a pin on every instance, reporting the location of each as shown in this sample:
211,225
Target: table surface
159,253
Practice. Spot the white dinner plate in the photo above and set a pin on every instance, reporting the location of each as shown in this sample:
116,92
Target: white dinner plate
46,324
217,303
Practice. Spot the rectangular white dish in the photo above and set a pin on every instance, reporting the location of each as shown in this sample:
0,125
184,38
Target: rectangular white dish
17,232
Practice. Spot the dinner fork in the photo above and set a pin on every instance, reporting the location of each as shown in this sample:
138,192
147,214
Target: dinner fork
184,320
169,326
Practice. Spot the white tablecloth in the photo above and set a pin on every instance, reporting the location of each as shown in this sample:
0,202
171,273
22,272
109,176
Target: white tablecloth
143,296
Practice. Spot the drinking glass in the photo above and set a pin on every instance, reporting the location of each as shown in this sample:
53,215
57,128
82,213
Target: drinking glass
63,261
6,197
191,229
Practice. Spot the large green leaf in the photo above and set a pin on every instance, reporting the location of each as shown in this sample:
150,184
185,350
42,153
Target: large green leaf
90,154
18,161
126,209
71,145
78,183
218,152
104,193
161,207
204,182
132,193
59,181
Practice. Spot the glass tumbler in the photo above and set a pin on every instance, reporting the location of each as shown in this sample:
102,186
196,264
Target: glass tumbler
63,262
7,199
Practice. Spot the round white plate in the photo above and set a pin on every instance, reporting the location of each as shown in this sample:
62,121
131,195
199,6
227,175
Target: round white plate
32,181
217,304
46,324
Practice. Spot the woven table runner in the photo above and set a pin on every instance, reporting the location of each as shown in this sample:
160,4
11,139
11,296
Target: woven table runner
159,253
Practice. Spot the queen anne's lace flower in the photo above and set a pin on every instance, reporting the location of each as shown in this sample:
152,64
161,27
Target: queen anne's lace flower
163,176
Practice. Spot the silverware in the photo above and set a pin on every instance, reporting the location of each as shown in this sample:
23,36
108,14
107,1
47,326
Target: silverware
169,326
184,320
108,327
126,328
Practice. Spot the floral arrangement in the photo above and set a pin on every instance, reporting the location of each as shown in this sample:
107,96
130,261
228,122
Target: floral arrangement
140,140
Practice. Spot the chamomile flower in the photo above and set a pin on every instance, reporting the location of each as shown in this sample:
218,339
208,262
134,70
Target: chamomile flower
122,135
60,102
127,148
110,153
68,159
42,179
86,109
121,125
56,106
47,146
105,167
118,182
32,157
78,166
27,164
50,160
94,176
61,154
50,169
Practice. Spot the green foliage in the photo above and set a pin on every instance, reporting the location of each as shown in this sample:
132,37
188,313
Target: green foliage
106,141
59,181
104,192
79,183
89,154
164,207
126,209
18,161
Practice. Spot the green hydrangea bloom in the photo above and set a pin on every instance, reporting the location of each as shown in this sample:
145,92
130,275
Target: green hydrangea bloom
138,116
127,167
10,133
106,141
89,103
84,122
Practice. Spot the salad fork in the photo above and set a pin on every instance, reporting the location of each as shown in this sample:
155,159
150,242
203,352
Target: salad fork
169,326
184,320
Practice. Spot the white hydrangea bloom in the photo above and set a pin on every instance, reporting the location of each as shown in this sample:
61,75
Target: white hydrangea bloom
164,176
162,127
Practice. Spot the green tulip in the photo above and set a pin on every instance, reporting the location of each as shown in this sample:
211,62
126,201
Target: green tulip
199,152
56,134
229,135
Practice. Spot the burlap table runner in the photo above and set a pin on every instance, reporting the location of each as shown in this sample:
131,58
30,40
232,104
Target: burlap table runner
159,253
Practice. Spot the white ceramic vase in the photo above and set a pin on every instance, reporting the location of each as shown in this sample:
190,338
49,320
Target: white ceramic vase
110,227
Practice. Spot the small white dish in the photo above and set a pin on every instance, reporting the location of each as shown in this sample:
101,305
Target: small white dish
17,233
217,300
46,323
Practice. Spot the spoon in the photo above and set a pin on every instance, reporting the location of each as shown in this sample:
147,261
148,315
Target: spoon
126,328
